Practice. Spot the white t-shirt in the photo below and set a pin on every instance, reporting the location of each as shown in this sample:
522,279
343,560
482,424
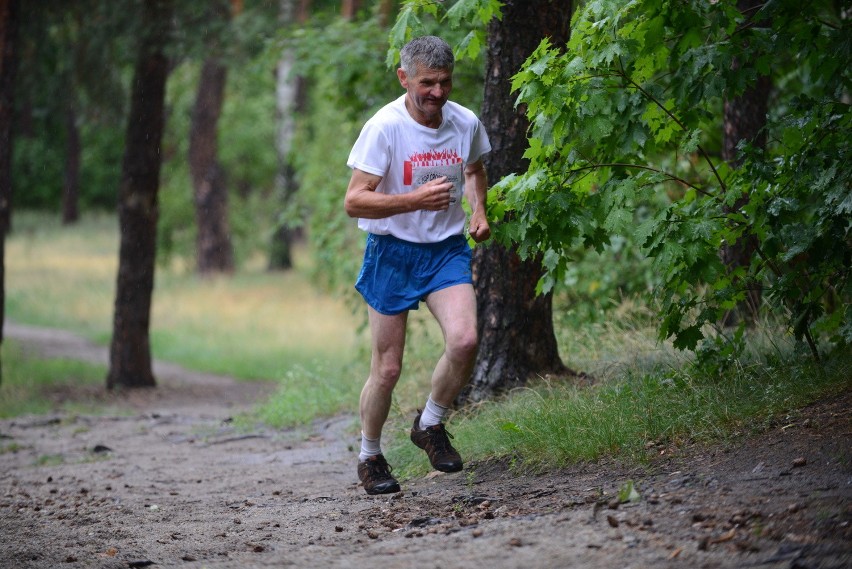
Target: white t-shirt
406,154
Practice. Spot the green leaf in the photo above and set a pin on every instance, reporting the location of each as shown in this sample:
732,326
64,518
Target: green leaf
510,427
618,219
466,10
628,493
688,338
690,141
471,45
407,25
539,66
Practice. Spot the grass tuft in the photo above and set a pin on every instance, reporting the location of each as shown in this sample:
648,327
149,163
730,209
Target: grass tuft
29,383
631,415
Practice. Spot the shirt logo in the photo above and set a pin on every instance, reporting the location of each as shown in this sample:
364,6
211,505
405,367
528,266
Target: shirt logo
430,158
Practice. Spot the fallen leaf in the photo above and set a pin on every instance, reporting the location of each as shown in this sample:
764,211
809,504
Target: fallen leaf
675,553
727,536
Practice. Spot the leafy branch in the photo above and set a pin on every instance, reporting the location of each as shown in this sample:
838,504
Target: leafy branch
669,176
596,108
677,121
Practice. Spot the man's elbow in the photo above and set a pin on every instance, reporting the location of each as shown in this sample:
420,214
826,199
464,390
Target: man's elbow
349,206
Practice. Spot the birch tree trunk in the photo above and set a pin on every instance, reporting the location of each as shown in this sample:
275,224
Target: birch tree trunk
289,101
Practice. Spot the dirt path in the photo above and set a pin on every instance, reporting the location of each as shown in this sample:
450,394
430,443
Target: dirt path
165,480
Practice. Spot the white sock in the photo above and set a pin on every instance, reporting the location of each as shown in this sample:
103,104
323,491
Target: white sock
369,447
432,414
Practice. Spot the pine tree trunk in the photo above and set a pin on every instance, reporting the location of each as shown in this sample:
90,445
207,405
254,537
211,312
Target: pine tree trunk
130,350
744,119
71,180
9,10
349,9
214,251
8,69
515,326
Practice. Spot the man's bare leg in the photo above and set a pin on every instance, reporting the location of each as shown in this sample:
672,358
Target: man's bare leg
455,310
388,342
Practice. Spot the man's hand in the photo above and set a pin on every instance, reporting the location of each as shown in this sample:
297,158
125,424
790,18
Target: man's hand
434,195
475,187
479,228
362,199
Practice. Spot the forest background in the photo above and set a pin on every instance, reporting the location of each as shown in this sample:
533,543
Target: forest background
628,203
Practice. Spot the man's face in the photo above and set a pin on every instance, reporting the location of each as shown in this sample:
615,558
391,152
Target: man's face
428,91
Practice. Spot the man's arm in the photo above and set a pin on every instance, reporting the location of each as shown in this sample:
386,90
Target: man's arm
362,199
475,190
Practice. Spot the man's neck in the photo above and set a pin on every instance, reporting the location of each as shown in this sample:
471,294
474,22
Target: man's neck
428,121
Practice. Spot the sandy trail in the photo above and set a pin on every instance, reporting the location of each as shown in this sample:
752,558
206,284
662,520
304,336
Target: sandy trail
164,479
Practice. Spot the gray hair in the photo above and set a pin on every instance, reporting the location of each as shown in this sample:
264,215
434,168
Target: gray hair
430,52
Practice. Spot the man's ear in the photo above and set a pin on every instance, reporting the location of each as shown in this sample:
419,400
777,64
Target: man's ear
403,78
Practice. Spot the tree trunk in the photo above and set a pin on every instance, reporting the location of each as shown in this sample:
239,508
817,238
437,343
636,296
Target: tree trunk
385,8
744,119
8,68
71,181
214,252
349,9
130,350
289,101
516,337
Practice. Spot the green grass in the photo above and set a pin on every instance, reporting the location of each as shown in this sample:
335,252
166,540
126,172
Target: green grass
62,277
257,325
30,385
632,414
253,325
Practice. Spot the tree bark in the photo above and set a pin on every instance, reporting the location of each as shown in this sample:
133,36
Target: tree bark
71,180
349,9
515,325
9,10
289,100
8,69
744,119
130,350
214,251
385,9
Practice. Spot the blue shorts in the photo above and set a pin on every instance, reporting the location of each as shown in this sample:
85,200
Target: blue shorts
397,275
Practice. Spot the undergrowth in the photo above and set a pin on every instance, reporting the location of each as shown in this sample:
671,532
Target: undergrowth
631,415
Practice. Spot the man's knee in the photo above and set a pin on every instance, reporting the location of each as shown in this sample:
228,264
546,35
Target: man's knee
462,344
386,375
